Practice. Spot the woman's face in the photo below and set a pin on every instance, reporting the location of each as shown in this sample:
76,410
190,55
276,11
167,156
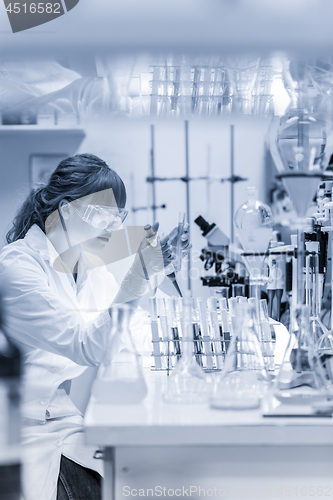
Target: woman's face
92,219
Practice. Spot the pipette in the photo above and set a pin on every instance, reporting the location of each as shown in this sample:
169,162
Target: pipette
178,261
172,275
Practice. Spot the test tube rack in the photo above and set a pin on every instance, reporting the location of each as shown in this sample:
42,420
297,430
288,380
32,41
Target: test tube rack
167,352
211,330
211,337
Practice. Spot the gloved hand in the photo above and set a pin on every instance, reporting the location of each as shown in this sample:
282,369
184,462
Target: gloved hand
151,258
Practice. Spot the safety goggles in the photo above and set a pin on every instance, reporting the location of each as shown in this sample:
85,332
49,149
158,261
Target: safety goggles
108,218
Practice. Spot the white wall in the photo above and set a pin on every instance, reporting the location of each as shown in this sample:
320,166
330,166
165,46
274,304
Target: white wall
17,144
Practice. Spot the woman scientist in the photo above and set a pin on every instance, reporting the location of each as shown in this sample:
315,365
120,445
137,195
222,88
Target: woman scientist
54,314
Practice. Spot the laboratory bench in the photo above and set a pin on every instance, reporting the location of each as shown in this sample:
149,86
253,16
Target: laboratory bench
161,449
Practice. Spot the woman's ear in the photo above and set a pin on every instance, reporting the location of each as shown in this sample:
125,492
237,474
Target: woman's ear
64,209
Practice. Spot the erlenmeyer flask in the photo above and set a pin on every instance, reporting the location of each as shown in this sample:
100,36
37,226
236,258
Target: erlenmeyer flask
120,379
187,381
301,378
325,351
244,379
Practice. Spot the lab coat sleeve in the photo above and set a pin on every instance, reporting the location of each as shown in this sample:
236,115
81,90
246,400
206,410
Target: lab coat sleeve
37,317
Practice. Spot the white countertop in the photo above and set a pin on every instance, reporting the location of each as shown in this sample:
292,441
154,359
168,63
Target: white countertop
155,422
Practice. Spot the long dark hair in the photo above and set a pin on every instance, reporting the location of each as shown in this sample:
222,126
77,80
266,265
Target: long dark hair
75,177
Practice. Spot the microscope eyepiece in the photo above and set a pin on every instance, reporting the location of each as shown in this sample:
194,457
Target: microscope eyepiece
204,225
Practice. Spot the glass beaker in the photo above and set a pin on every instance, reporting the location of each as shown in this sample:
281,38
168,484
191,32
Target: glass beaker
301,378
187,382
120,379
244,379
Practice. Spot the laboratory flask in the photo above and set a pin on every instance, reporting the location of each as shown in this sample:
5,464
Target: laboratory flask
10,378
120,378
187,383
301,378
254,225
243,381
325,351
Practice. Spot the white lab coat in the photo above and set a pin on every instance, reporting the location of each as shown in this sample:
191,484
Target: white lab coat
61,328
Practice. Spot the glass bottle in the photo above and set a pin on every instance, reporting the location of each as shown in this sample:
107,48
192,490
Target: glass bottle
120,379
243,381
301,378
187,381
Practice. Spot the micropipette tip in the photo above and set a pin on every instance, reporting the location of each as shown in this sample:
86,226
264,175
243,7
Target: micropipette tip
173,279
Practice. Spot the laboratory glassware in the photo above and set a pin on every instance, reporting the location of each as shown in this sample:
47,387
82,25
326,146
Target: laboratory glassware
176,265
205,333
325,351
173,313
244,380
301,151
313,289
170,270
198,348
301,378
254,226
243,75
225,328
155,334
262,97
216,332
186,383
120,378
267,343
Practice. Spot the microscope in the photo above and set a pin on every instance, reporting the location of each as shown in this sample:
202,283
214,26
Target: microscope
230,277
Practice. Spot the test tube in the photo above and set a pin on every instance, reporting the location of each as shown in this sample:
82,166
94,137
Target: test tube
172,323
161,310
155,90
155,334
238,290
266,335
196,332
215,331
220,292
178,261
252,302
232,302
225,326
205,332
